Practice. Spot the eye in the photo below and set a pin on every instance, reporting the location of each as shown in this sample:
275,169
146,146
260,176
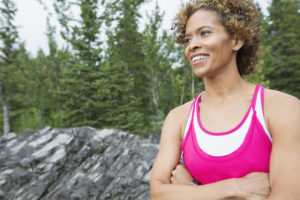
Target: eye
204,33
187,41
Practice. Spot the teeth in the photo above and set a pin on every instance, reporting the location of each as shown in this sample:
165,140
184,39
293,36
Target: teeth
201,57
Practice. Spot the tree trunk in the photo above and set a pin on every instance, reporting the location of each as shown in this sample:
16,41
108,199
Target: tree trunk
41,119
155,94
182,93
193,84
5,107
169,91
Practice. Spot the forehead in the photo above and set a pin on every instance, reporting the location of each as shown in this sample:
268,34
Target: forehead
202,18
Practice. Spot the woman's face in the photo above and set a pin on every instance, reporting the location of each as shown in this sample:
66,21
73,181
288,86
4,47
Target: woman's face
209,47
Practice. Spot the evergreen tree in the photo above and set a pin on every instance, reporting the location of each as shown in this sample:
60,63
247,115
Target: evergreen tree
118,105
8,52
152,45
23,113
82,75
57,62
281,42
38,85
42,77
125,55
168,61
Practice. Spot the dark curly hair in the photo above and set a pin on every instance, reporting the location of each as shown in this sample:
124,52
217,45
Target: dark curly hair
239,17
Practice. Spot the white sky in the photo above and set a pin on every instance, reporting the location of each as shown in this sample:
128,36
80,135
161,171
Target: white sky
31,19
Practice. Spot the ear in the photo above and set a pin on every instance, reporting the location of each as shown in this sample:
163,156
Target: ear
237,43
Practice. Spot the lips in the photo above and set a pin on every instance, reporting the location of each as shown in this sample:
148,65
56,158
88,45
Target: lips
198,58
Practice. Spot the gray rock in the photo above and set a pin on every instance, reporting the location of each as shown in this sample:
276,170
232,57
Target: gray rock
75,163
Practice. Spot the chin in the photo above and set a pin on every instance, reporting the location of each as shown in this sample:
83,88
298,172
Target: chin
200,72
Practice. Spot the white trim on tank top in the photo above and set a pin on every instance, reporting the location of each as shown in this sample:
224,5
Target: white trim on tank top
222,145
260,114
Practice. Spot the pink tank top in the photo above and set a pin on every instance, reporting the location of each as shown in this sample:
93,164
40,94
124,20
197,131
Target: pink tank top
212,157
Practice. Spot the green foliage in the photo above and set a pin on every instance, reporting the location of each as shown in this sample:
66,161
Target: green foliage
113,74
258,75
125,55
118,104
29,119
80,81
281,45
155,62
8,34
8,64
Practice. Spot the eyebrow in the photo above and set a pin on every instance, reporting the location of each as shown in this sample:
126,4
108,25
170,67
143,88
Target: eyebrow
199,29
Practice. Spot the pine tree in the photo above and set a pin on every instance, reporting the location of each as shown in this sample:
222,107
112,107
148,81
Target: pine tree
118,105
8,52
23,112
38,86
125,56
57,63
168,61
281,42
152,45
82,75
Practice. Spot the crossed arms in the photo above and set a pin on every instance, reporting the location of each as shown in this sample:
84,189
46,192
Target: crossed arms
281,183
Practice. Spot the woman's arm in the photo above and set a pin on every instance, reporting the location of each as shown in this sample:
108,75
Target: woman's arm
253,187
283,118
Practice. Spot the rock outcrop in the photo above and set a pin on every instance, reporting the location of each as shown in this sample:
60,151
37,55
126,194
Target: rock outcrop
75,164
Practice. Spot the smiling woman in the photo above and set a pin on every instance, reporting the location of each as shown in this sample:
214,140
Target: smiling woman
235,136
208,44
244,25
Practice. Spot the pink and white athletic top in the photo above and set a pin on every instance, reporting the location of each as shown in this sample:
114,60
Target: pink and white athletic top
212,157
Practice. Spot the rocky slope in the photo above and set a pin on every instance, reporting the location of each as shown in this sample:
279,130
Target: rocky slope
76,163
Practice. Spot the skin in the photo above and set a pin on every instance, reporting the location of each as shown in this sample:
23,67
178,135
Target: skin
225,90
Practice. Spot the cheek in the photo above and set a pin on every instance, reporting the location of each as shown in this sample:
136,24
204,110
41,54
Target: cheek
213,44
186,53
221,46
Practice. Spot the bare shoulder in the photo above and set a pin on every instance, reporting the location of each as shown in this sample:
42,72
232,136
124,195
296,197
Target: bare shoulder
277,100
281,110
182,109
178,116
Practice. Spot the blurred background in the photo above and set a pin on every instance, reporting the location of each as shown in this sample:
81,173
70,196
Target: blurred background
115,64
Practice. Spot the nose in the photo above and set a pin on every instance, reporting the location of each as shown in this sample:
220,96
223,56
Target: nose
194,45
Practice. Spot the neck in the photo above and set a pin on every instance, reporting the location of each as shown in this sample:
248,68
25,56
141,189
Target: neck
224,86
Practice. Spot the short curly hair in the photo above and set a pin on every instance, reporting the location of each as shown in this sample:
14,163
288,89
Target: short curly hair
239,17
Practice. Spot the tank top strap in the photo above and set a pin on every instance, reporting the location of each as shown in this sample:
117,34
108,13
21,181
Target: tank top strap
259,110
255,95
195,104
191,114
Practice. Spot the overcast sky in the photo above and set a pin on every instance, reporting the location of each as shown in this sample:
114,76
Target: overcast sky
31,19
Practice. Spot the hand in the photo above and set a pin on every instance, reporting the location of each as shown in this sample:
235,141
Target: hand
254,186
180,175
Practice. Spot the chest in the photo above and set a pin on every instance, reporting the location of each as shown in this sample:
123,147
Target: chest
222,118
211,158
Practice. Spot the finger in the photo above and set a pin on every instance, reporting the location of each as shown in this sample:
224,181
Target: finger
173,173
173,180
181,166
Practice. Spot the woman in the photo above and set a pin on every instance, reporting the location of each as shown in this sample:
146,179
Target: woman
239,140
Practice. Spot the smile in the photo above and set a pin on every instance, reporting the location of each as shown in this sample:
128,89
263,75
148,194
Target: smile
200,57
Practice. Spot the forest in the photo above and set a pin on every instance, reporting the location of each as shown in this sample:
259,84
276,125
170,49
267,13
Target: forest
112,74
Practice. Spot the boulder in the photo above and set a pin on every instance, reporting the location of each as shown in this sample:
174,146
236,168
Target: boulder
75,164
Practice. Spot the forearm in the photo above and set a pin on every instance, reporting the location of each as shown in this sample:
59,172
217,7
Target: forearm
223,190
283,194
